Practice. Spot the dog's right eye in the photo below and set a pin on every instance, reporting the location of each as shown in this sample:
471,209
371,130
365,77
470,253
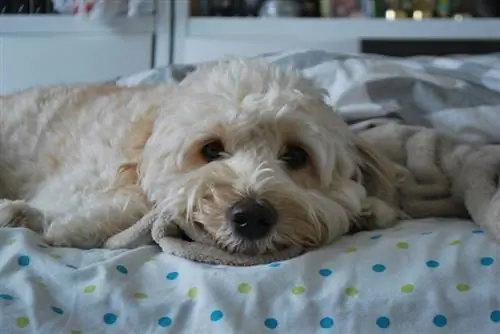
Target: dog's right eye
213,150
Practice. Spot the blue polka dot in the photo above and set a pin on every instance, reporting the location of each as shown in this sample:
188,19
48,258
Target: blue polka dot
487,261
173,275
275,265
271,323
326,322
325,272
375,237
6,297
71,266
57,310
23,260
440,320
477,231
432,264
216,315
383,322
164,322
378,268
109,318
122,269
495,316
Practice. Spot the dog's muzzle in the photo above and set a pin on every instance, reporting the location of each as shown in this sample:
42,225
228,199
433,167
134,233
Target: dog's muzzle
251,218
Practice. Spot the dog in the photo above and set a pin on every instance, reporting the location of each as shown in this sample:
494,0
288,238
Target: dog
247,151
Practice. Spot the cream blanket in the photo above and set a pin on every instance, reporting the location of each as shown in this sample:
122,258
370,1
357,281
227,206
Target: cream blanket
439,177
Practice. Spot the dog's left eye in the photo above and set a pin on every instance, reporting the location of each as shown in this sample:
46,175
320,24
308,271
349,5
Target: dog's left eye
295,157
213,150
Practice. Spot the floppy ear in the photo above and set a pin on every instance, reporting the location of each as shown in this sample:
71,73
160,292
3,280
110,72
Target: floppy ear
380,177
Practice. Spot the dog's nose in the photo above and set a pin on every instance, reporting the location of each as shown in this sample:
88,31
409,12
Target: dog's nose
251,218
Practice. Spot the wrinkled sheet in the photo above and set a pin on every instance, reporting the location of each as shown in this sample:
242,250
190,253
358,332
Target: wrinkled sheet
429,276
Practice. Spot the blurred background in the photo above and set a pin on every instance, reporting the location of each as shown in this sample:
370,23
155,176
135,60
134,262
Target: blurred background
291,8
59,41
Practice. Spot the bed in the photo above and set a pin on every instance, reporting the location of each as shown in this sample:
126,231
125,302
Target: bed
422,276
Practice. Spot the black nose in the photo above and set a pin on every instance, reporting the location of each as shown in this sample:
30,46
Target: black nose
252,219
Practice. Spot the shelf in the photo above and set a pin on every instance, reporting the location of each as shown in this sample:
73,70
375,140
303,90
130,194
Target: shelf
62,24
237,27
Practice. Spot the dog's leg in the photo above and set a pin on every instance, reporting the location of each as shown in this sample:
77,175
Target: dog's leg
376,214
96,220
20,214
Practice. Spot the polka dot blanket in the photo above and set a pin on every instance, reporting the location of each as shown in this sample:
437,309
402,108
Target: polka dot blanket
428,276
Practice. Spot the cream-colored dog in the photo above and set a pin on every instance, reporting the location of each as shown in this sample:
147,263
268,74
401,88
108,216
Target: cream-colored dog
247,151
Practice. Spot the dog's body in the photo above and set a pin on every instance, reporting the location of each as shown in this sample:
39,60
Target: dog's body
63,150
250,153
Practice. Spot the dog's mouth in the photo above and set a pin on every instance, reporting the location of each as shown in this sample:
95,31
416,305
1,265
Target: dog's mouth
240,245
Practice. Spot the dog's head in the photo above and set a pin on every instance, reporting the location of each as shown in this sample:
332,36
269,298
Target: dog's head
253,155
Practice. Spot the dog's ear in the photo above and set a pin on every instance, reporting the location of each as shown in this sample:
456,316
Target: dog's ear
379,177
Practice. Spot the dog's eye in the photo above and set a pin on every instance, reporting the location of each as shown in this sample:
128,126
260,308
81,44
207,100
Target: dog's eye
213,150
295,157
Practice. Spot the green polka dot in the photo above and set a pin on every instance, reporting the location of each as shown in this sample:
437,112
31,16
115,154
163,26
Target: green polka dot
40,284
407,288
402,245
298,290
351,292
462,287
455,242
22,322
192,293
10,241
89,288
351,250
75,332
244,288
55,256
140,295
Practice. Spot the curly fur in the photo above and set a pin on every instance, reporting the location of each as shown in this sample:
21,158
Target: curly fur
95,159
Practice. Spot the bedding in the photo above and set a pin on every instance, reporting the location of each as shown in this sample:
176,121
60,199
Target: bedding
422,276
428,276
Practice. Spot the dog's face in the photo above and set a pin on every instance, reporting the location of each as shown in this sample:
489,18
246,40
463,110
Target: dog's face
254,157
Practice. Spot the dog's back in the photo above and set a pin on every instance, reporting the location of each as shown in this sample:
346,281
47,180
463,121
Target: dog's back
44,130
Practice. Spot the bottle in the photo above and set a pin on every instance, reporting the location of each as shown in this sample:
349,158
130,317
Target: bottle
423,8
395,10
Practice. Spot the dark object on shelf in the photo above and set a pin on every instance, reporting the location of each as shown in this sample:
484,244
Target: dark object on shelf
38,6
488,8
429,47
379,8
19,6
4,7
309,8
227,8
49,7
220,8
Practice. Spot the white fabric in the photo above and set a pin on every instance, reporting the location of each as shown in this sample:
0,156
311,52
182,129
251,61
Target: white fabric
429,276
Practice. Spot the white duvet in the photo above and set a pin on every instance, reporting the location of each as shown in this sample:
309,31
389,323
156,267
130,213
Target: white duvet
428,276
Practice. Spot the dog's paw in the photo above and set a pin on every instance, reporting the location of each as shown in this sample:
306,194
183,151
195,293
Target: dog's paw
377,214
19,214
71,234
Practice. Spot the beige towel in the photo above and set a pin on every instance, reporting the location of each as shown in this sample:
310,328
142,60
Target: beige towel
441,178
